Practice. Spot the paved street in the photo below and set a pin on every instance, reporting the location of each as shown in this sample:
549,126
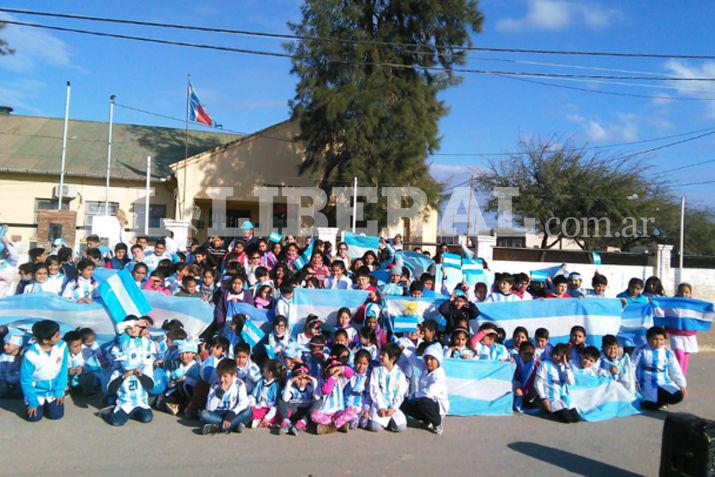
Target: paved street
83,444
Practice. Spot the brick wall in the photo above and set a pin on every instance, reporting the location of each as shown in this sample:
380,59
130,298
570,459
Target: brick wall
66,218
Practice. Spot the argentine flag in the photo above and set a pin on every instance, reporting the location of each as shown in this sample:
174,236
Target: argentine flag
636,318
452,260
122,296
685,314
477,387
275,237
598,398
304,259
596,258
252,333
598,316
407,312
544,273
359,244
417,263
322,303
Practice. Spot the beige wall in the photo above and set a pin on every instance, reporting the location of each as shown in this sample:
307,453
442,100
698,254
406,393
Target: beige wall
18,194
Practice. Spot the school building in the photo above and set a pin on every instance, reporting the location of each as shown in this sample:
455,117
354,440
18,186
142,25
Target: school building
30,156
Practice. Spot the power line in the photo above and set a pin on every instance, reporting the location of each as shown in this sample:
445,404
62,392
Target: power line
369,42
687,166
693,183
385,64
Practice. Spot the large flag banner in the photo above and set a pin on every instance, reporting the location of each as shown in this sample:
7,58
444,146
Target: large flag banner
123,297
599,398
685,314
598,316
260,316
359,244
197,112
322,303
194,313
636,318
407,312
479,387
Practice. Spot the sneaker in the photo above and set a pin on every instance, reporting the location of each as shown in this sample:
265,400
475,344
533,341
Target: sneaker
344,428
209,429
255,423
300,425
438,429
293,431
172,407
322,429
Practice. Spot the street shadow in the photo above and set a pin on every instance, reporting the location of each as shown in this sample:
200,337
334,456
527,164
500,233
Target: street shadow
658,415
15,406
568,461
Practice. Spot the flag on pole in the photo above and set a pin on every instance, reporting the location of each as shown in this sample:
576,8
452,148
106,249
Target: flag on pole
544,273
252,333
122,296
452,260
197,112
275,237
304,259
359,244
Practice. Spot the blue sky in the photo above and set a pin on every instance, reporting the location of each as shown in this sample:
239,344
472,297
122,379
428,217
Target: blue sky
488,114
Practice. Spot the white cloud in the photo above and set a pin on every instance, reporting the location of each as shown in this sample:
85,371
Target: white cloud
695,89
451,173
33,47
556,15
623,128
20,95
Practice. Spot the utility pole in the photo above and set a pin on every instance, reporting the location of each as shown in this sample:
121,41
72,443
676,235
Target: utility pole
469,206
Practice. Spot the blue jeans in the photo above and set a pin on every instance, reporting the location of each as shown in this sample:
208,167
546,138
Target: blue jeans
10,391
120,417
52,410
216,417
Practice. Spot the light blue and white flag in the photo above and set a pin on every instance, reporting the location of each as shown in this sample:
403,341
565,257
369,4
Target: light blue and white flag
550,272
258,315
596,258
417,263
275,237
252,333
322,303
599,317
122,296
636,318
477,387
452,260
194,313
403,310
304,259
598,398
359,244
685,314
472,265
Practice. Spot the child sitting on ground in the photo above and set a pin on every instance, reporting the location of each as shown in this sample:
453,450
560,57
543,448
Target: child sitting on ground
43,373
485,345
553,378
619,367
264,397
228,406
297,400
588,362
246,370
658,375
525,396
388,387
430,404
183,374
332,414
10,362
357,392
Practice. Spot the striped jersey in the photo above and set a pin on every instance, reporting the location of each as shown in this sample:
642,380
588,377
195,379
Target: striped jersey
80,288
552,382
357,391
265,393
625,369
250,374
387,388
131,393
494,352
657,368
234,400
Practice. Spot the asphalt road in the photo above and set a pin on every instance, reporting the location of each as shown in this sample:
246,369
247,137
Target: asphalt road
82,444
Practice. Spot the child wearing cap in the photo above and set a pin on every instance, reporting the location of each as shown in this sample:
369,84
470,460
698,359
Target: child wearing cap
43,373
10,361
574,285
430,404
182,374
485,345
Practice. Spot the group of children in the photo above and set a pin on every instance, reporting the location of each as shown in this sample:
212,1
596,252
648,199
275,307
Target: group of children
356,374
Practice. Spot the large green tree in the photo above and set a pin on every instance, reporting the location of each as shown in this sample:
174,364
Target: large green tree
571,193
367,103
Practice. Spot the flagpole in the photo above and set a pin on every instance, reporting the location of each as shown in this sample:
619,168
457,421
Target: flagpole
147,195
186,144
64,148
109,154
